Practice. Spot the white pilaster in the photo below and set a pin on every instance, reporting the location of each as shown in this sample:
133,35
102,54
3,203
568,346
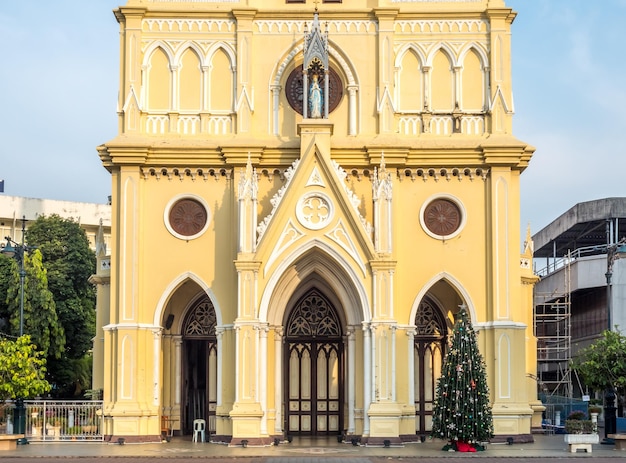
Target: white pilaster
351,380
156,364
278,379
367,377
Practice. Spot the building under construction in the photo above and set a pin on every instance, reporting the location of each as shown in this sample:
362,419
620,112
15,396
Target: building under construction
582,288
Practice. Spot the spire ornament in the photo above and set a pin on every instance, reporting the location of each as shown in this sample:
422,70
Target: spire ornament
315,71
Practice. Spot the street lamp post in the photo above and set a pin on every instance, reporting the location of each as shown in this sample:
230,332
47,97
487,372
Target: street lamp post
16,251
612,254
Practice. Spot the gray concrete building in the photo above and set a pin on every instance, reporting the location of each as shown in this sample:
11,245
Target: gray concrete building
581,260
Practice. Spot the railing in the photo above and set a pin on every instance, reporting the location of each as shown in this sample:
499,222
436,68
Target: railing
189,124
62,420
560,262
440,124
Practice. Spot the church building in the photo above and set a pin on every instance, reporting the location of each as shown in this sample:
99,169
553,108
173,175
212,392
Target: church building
304,194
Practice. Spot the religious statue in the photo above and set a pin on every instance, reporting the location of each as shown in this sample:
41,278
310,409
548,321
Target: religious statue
315,98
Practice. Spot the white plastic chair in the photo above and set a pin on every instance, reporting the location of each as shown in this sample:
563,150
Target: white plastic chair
198,429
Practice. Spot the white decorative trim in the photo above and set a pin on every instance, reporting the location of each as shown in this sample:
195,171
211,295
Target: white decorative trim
168,207
191,26
458,203
340,236
276,199
354,199
458,26
297,27
315,179
290,235
315,210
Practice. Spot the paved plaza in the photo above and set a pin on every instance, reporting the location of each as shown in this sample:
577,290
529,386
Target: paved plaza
301,450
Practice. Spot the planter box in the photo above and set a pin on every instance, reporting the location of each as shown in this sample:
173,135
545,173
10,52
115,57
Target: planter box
581,441
9,441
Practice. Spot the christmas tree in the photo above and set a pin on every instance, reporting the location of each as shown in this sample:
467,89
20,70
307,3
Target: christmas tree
462,413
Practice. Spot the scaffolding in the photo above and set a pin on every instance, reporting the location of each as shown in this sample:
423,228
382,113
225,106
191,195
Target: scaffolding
552,320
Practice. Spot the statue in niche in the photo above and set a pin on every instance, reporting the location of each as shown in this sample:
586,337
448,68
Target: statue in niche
316,99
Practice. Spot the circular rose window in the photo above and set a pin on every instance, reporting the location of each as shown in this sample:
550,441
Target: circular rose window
314,210
187,217
442,218
293,89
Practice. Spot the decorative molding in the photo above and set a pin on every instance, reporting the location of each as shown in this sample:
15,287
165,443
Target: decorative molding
315,179
290,235
315,210
248,182
459,26
443,173
340,235
186,172
354,199
298,27
179,25
276,199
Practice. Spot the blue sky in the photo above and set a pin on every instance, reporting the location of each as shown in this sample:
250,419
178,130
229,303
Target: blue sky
569,81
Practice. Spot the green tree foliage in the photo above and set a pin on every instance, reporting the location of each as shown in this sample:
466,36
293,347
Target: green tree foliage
6,280
70,262
22,369
462,412
40,317
603,363
73,374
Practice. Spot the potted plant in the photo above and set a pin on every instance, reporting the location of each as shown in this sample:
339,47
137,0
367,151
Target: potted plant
594,408
53,427
580,432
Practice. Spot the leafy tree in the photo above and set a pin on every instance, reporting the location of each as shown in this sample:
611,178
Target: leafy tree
73,374
22,369
6,280
462,413
70,262
40,317
603,363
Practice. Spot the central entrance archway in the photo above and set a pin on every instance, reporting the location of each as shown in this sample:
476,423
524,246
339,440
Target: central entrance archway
314,377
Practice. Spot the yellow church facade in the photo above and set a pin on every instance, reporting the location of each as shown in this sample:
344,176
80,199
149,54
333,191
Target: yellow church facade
303,195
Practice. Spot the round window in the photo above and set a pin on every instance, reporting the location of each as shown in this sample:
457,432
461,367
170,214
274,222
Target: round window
293,89
442,218
188,217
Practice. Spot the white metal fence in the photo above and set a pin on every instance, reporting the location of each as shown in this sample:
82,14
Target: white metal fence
59,420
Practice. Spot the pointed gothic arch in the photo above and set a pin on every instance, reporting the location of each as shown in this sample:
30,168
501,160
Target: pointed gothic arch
431,332
200,365
317,257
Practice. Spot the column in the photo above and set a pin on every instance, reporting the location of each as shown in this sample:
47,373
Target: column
352,110
278,379
351,379
367,377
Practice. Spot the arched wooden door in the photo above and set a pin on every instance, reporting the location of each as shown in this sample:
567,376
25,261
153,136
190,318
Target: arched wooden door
199,366
430,337
315,368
